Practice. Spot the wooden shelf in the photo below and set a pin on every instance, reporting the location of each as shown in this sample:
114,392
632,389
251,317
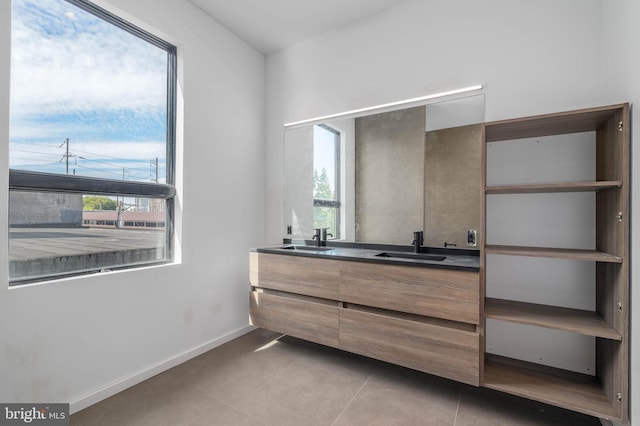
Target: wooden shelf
573,391
556,253
574,320
552,187
550,124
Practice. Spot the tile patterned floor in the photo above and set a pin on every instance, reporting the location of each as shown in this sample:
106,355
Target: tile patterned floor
262,379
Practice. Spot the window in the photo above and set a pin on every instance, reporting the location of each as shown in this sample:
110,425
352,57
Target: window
92,142
326,179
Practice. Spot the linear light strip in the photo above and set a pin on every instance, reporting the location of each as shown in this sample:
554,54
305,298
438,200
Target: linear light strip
390,104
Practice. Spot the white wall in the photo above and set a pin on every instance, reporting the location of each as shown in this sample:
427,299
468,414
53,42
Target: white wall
69,339
529,60
532,58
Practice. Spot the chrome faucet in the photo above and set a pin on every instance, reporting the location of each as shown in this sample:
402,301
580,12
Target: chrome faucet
418,240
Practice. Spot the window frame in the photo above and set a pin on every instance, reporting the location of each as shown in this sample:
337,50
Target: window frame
23,180
336,203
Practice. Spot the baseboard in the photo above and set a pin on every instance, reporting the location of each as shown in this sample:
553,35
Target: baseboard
120,385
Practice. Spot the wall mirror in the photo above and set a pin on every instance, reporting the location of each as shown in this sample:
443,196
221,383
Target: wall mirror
379,177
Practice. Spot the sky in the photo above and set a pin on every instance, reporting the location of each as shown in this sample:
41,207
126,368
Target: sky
324,153
77,77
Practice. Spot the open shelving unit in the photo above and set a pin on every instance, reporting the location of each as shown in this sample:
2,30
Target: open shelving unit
557,253
552,187
555,317
606,394
573,391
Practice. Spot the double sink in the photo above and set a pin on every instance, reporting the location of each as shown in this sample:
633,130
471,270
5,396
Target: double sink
387,254
421,256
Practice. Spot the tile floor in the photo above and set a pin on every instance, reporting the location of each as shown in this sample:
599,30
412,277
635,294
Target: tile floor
262,378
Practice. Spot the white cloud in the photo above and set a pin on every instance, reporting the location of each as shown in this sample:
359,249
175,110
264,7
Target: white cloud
65,62
81,65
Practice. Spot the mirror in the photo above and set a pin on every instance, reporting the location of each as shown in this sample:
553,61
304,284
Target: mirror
378,178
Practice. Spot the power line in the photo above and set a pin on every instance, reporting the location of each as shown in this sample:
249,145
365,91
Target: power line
84,158
153,164
100,170
34,152
75,150
40,165
106,156
111,164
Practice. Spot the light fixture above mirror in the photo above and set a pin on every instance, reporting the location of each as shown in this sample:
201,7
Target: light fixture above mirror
389,105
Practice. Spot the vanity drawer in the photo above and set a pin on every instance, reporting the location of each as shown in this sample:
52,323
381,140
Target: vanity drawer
452,352
296,274
433,292
303,317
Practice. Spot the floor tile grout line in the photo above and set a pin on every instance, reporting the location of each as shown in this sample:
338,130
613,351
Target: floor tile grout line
239,410
455,418
291,364
355,395
272,378
295,361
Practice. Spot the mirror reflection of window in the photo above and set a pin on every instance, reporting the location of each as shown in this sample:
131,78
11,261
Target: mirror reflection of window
326,179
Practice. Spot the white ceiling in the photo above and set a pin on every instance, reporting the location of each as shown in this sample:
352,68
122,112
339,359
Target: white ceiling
275,24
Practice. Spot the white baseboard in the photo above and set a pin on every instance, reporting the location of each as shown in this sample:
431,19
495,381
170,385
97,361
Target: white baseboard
120,385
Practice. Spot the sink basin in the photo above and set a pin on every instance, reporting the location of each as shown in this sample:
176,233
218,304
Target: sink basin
307,248
418,256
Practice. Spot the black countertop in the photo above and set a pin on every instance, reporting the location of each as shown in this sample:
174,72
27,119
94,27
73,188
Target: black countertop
460,259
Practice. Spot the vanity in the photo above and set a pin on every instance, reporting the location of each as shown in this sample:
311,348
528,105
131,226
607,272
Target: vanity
522,283
413,313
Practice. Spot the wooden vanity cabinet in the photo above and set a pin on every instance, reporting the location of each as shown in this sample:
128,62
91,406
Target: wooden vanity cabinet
295,295
439,347
418,317
432,292
296,274
299,316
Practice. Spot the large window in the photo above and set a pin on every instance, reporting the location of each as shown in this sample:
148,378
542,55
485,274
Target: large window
92,142
326,179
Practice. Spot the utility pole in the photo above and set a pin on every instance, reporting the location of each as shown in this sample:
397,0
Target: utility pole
66,155
153,165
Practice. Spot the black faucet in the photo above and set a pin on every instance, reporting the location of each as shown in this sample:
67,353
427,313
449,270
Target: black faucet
418,240
317,236
320,235
325,234
446,244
